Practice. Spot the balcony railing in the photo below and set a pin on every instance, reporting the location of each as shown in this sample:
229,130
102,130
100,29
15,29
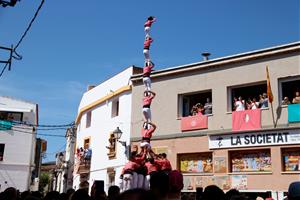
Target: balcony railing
293,113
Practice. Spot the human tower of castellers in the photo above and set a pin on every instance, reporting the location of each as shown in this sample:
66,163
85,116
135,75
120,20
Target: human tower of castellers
141,165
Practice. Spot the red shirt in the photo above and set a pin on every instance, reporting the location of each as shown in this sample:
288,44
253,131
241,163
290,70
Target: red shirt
147,43
147,133
148,23
131,166
164,164
152,167
140,159
147,70
147,100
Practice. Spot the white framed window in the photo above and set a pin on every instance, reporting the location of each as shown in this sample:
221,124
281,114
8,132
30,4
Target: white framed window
188,100
88,119
287,88
250,92
2,146
115,108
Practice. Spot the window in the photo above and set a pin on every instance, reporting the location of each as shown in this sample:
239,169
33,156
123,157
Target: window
252,92
88,119
115,108
187,101
2,151
195,163
288,89
11,116
250,161
291,159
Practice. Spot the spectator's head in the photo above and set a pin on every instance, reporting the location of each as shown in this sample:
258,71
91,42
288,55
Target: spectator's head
254,99
63,196
264,95
294,191
80,194
230,193
159,184
213,192
175,181
164,155
151,160
37,194
10,194
208,100
113,192
70,191
136,194
25,194
286,99
53,195
297,94
240,98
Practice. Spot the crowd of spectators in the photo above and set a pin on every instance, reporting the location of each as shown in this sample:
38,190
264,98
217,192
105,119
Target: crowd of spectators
162,187
295,100
239,104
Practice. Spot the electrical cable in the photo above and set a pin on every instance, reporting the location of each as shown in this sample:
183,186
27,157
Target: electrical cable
17,56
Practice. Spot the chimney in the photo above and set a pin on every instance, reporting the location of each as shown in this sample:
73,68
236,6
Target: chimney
205,56
90,87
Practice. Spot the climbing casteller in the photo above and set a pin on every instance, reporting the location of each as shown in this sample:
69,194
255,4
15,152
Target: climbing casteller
146,75
146,52
147,100
147,25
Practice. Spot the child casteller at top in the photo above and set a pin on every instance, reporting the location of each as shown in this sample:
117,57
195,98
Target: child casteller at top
148,24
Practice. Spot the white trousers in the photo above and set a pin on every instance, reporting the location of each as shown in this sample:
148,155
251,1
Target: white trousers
147,182
129,181
147,31
140,182
147,83
147,114
147,55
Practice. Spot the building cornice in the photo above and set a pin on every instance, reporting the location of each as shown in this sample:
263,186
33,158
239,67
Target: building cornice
204,65
101,100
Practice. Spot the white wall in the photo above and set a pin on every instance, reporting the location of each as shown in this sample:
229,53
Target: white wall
102,124
18,159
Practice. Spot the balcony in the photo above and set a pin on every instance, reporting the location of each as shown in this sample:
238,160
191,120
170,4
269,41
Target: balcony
196,122
293,113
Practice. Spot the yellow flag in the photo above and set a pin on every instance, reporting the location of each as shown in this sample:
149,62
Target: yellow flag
269,91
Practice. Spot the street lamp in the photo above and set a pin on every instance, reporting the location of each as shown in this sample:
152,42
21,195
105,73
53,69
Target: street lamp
118,133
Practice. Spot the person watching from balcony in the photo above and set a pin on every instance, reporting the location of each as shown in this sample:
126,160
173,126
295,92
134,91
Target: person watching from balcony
87,154
200,109
146,75
264,101
147,45
147,25
194,110
239,104
254,104
147,100
208,107
285,101
296,99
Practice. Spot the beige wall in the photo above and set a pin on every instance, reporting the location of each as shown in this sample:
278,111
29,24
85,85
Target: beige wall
217,78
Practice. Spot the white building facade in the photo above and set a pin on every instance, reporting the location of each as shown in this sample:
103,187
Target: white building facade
102,110
17,143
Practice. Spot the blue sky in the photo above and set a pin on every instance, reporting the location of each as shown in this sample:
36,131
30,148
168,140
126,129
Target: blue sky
76,43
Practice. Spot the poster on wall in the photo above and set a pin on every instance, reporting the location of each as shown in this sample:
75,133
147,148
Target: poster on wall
292,160
222,182
220,165
239,182
251,162
196,163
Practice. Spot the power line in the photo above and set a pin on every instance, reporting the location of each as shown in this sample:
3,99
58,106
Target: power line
18,56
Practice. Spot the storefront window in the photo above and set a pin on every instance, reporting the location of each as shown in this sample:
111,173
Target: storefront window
291,159
196,163
251,161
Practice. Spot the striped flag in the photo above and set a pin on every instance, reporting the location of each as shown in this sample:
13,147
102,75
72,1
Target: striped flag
269,91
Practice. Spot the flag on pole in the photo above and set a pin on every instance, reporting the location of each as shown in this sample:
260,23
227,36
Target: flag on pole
269,91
